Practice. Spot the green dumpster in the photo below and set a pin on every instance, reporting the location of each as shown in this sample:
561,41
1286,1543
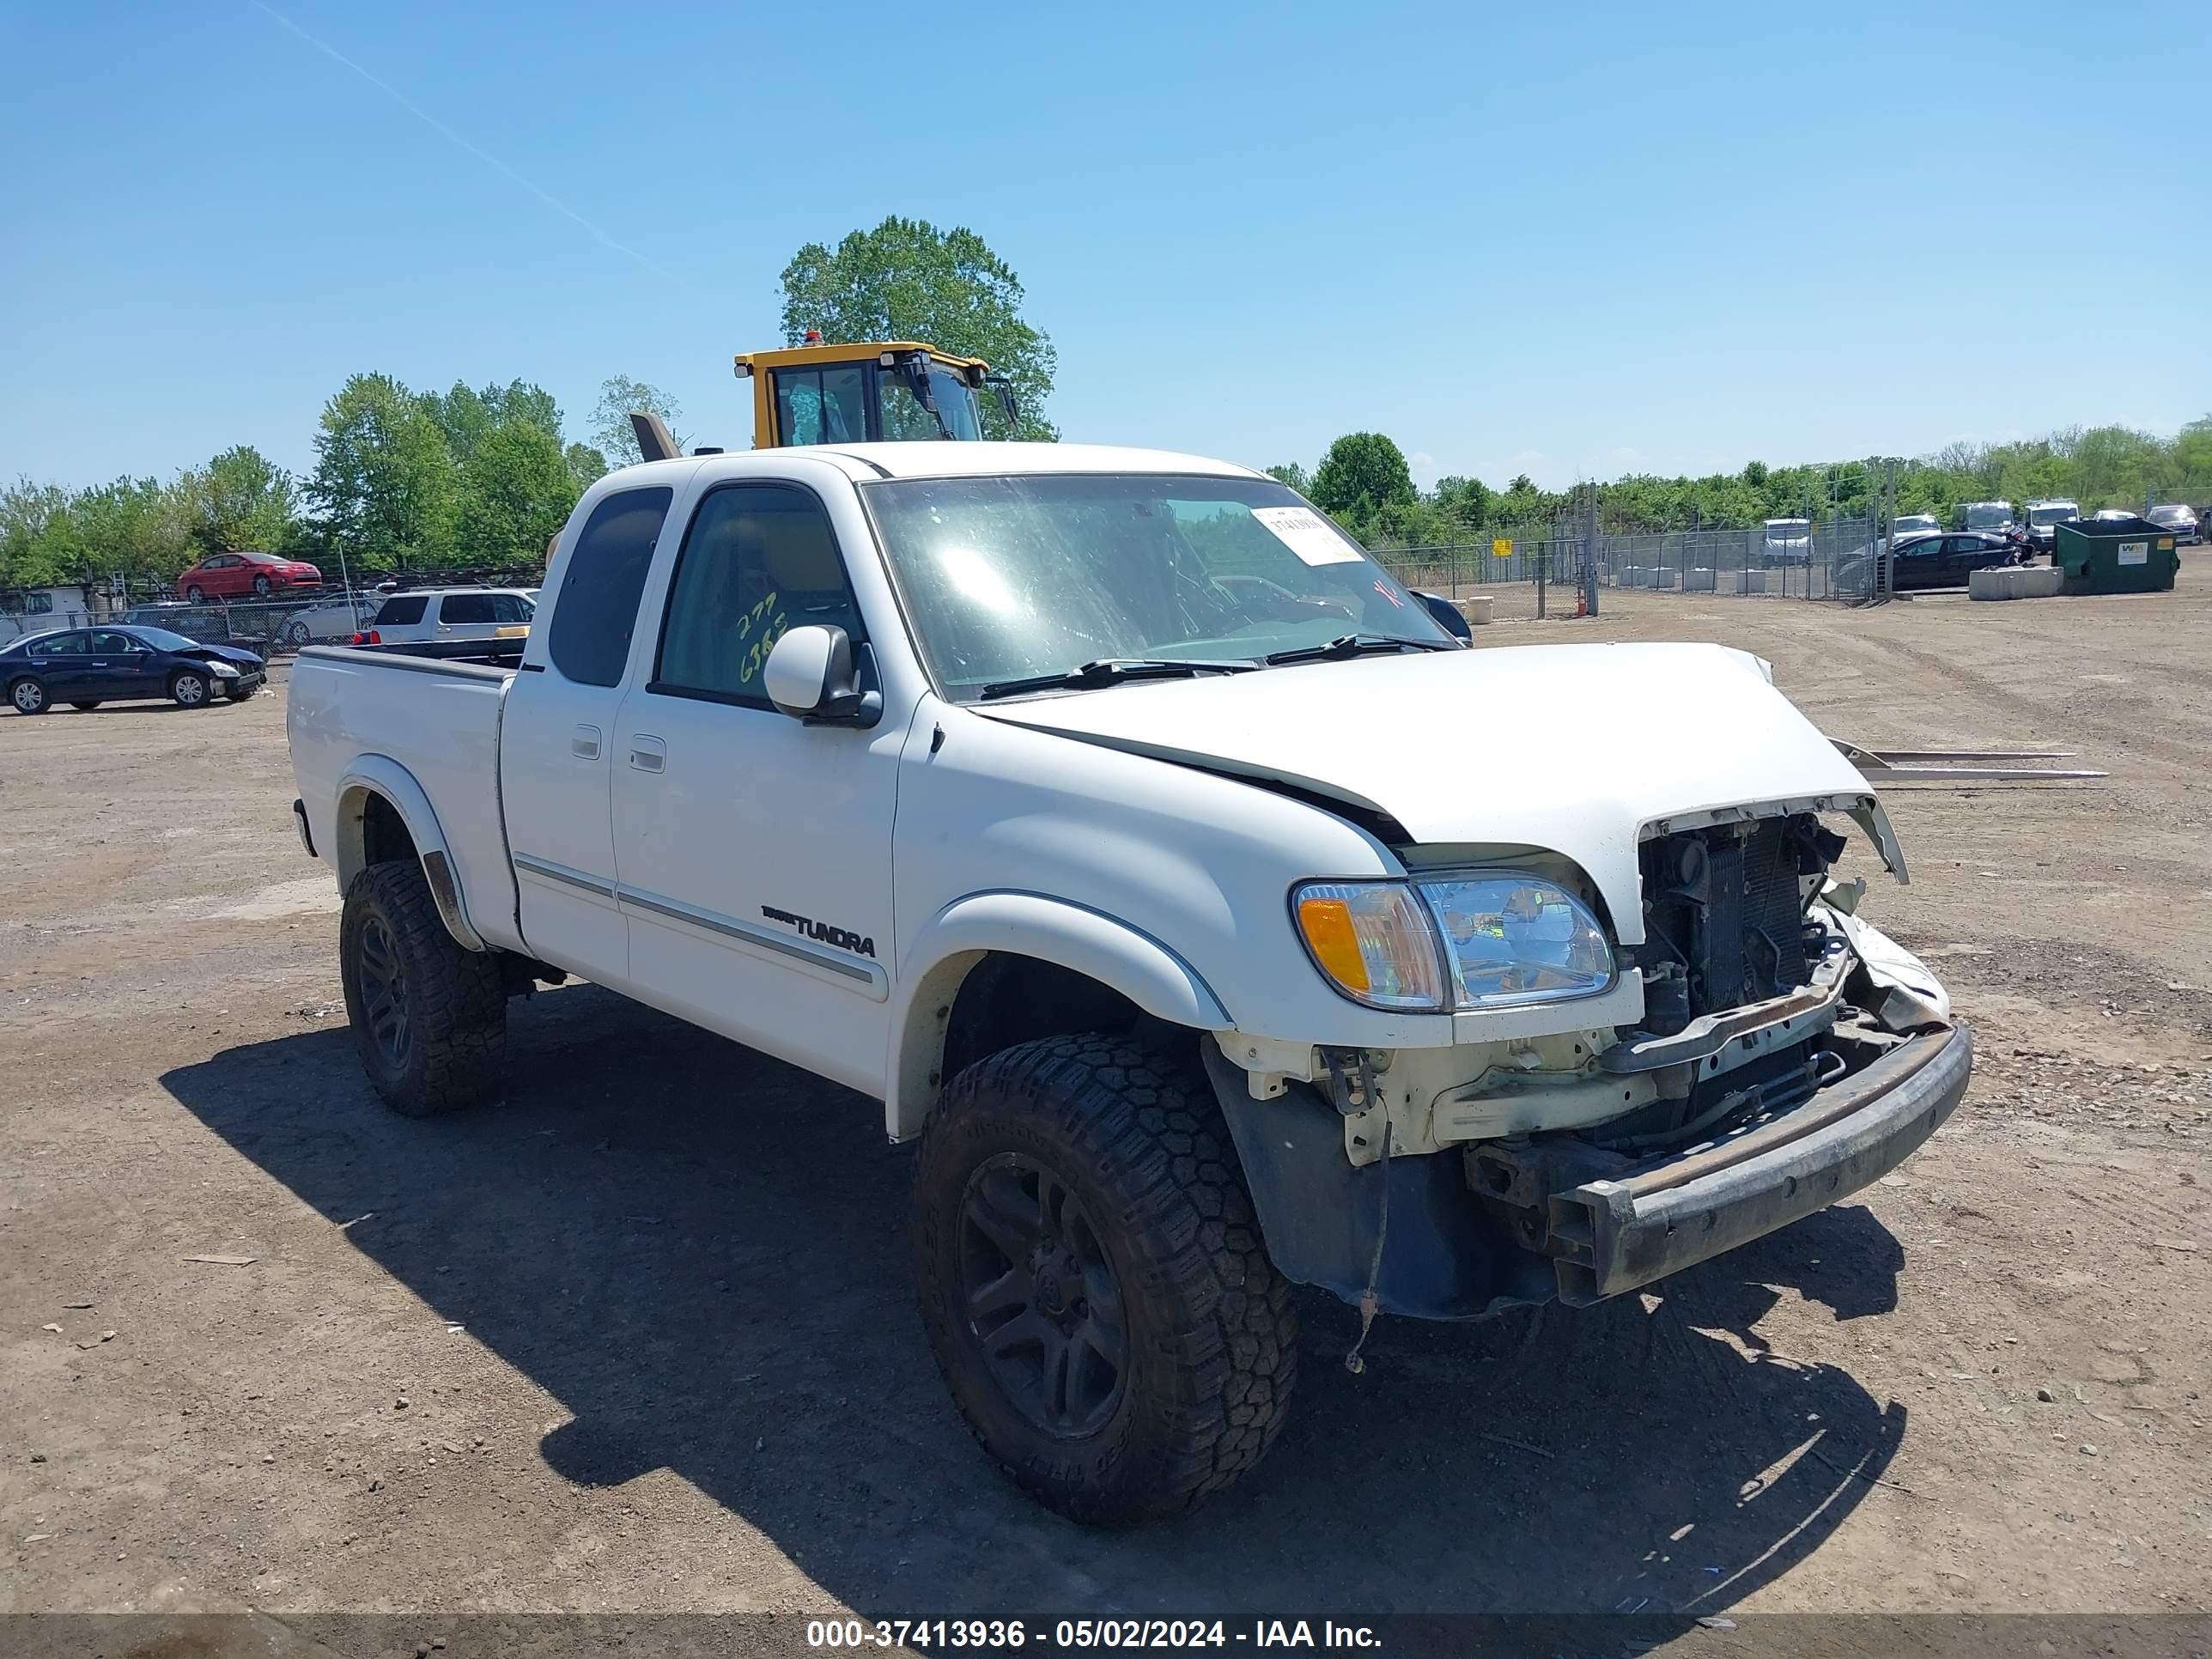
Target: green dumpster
2115,555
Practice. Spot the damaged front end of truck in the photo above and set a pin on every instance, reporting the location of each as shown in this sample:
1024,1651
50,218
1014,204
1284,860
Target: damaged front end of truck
1759,1053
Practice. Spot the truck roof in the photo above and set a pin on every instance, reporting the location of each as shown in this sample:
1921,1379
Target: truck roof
963,460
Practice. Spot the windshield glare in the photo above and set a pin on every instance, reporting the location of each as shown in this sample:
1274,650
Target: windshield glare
1788,530
1988,518
2056,513
1008,577
905,418
162,640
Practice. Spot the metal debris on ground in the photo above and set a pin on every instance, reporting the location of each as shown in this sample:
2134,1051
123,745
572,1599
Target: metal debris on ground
225,1261
1957,765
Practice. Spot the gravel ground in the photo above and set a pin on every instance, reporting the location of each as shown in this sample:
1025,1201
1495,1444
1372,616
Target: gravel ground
638,1339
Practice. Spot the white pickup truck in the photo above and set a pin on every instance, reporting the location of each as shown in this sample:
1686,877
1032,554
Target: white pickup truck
1211,918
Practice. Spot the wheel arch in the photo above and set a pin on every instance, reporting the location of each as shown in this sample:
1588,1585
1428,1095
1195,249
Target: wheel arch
998,967
384,817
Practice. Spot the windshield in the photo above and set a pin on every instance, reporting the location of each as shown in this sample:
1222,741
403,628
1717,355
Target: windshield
1788,530
1988,515
1914,521
162,640
2170,515
2053,512
905,417
1008,577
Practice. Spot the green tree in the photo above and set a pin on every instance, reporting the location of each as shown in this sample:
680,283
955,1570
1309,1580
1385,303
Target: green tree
134,527
907,280
1292,475
516,491
241,499
467,417
586,464
34,520
619,397
1467,502
1361,464
385,485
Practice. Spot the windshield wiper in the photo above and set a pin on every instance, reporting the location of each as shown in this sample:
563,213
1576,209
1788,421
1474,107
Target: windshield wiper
1112,671
1356,644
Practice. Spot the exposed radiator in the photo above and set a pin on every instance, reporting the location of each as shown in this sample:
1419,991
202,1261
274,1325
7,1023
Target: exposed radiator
1724,904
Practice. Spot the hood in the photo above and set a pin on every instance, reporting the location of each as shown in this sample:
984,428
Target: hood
229,654
1573,749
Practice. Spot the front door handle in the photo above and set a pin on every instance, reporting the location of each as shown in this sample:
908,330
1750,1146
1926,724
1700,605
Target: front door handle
648,754
584,743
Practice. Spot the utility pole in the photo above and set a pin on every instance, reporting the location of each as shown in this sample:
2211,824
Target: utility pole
1590,550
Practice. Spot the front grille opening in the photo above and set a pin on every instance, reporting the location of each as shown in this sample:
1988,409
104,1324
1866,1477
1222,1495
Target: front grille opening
1724,914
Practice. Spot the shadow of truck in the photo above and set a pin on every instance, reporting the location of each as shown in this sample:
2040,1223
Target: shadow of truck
700,1252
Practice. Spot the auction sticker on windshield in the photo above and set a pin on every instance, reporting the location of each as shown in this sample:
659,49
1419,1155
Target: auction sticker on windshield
1307,534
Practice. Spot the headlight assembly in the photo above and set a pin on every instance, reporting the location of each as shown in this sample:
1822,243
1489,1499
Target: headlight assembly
1516,939
223,671
1497,941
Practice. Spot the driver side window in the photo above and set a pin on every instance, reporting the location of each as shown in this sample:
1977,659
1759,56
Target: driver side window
758,561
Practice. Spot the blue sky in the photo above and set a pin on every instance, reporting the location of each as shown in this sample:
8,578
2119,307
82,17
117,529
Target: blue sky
1568,240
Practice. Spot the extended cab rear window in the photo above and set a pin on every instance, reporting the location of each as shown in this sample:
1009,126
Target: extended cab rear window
600,589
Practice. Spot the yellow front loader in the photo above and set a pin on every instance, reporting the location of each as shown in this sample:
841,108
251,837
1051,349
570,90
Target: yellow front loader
865,392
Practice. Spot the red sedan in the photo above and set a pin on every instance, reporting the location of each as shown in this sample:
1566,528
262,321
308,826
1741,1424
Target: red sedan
244,575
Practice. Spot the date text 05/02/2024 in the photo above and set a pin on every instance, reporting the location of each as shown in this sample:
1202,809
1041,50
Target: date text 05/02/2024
1069,1633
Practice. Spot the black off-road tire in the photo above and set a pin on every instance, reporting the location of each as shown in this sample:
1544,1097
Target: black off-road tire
454,1001
1136,1138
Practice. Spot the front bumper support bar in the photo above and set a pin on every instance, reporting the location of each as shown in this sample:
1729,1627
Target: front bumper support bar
1611,1235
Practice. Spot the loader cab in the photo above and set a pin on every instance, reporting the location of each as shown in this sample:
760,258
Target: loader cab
869,393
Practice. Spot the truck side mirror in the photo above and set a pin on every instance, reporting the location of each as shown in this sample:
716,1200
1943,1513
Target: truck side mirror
809,676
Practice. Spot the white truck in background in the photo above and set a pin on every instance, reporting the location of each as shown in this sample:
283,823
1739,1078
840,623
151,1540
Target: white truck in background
1168,873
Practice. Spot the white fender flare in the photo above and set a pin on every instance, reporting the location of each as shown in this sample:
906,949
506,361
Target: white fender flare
1072,936
380,775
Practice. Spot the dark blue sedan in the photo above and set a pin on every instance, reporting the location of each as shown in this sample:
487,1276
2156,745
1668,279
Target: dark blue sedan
85,667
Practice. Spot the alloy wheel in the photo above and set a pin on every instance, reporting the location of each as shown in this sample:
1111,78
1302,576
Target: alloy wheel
1043,1305
384,994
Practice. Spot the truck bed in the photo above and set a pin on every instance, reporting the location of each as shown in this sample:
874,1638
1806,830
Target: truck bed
429,712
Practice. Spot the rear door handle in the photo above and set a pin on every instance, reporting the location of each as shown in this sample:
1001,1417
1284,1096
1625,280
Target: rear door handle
584,743
648,754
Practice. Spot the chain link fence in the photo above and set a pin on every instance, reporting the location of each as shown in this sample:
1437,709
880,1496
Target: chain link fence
267,626
1546,571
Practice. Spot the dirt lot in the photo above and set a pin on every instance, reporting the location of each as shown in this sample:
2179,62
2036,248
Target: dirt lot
638,1338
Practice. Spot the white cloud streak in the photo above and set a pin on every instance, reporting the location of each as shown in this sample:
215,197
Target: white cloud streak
477,150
